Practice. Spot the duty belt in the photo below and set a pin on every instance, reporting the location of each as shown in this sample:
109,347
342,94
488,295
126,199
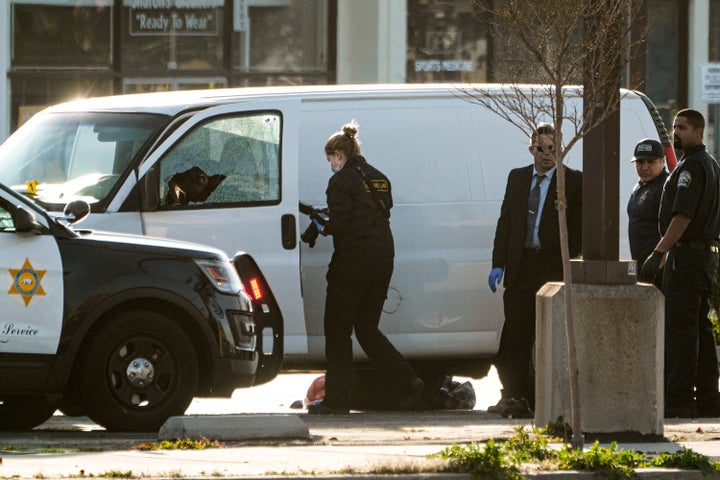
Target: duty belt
708,247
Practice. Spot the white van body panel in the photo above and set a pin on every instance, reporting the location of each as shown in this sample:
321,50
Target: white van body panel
448,161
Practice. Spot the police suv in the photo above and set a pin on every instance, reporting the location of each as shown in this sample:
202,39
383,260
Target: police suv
125,329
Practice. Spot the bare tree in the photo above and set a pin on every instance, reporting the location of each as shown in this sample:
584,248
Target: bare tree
570,48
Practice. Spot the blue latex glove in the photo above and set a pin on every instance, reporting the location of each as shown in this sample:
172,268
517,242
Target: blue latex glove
495,278
318,225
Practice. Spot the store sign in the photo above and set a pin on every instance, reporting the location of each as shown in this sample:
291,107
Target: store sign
710,78
241,18
176,17
443,66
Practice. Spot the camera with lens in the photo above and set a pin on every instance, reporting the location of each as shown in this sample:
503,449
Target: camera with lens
311,233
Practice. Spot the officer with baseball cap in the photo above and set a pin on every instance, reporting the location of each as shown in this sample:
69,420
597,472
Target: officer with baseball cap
644,203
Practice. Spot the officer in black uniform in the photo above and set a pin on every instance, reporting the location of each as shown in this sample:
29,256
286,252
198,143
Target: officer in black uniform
359,202
690,227
644,203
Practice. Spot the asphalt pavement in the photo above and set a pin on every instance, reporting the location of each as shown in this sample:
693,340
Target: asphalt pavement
362,444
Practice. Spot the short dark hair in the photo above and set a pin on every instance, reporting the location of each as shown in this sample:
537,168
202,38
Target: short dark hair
694,117
541,129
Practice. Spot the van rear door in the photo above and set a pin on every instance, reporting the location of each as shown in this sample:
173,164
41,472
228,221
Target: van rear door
227,177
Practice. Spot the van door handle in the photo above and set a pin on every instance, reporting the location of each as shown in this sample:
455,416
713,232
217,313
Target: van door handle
287,225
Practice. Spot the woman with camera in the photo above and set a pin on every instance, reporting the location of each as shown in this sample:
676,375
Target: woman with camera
359,202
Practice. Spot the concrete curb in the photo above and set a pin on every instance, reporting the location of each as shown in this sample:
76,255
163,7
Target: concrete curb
644,474
234,427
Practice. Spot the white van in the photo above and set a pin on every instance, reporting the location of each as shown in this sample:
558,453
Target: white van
262,151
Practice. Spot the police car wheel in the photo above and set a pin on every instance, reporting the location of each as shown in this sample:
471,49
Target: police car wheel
24,412
139,370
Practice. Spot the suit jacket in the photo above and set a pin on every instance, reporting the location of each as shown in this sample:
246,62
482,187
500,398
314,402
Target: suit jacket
512,224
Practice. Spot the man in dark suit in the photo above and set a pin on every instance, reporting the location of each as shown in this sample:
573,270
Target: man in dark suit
527,253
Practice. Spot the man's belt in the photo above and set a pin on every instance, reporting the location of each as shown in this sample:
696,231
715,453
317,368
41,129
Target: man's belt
708,247
531,250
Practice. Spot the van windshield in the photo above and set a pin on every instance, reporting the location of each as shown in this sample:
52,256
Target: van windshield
59,157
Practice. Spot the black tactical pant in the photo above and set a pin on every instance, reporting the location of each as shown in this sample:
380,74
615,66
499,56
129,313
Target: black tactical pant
691,365
356,292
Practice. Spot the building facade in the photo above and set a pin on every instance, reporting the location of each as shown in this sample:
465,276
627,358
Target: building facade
56,50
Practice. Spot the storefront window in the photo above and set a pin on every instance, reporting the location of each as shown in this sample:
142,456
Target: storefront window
447,41
281,35
159,36
66,33
32,93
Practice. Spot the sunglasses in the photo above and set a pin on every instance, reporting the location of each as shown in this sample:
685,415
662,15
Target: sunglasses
547,148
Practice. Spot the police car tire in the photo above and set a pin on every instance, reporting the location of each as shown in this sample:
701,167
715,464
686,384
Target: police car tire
108,395
24,412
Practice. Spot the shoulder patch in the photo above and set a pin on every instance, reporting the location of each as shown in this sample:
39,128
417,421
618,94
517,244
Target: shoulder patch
684,179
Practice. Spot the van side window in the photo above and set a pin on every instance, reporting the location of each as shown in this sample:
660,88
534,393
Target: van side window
226,160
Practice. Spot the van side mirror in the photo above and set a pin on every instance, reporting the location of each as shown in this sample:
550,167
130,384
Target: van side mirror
25,221
75,211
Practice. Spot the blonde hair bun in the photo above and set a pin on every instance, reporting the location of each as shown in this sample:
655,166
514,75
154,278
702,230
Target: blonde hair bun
351,129
344,141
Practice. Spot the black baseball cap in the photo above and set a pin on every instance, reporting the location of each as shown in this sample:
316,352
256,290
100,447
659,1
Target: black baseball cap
648,149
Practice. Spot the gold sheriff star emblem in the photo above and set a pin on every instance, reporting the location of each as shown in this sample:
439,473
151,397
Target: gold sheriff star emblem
26,282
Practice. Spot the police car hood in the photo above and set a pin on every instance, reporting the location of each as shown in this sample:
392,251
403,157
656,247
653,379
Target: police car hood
145,243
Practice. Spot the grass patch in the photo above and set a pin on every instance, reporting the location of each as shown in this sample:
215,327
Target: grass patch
530,448
181,444
56,450
116,474
685,459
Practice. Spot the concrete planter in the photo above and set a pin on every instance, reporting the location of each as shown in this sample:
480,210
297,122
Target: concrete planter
620,385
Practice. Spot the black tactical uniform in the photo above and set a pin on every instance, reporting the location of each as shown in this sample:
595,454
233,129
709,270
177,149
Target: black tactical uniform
642,210
691,368
358,278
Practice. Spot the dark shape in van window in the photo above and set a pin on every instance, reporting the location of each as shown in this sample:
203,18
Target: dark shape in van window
239,154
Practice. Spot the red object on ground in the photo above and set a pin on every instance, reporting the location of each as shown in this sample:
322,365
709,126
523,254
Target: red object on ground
316,391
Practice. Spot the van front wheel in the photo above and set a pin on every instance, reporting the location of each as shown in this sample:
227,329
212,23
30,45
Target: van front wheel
139,370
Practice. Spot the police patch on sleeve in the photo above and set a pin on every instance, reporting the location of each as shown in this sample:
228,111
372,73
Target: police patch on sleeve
684,179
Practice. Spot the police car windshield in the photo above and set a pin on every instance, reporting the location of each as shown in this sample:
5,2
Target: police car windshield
59,157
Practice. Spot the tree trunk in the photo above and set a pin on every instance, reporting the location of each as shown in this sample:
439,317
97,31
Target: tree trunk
576,419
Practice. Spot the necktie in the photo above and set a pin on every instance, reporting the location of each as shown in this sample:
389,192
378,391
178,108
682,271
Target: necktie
533,208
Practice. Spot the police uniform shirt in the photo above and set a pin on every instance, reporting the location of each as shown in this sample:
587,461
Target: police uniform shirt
692,190
643,208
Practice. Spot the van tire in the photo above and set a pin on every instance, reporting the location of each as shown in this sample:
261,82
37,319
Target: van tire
140,368
24,412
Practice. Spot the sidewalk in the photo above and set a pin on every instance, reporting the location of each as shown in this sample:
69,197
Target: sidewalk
361,442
